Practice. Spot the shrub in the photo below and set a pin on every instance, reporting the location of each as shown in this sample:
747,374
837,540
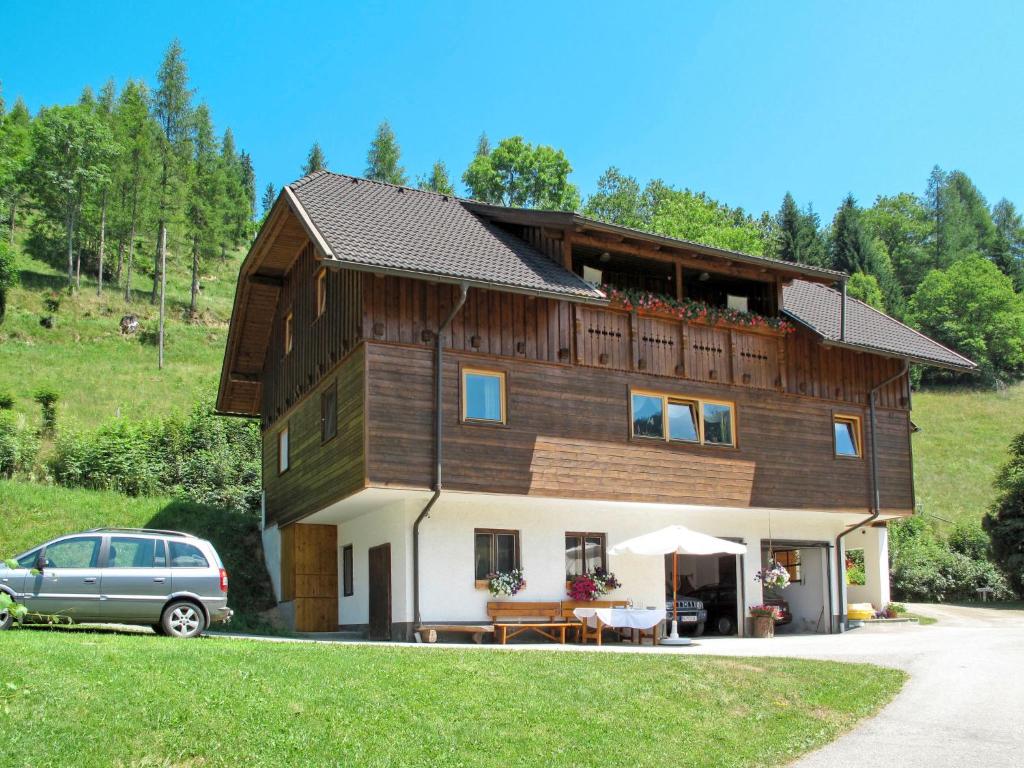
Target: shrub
8,272
1005,521
18,446
925,567
6,401
205,458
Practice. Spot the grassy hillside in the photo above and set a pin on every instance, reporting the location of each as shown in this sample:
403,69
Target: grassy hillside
98,372
961,446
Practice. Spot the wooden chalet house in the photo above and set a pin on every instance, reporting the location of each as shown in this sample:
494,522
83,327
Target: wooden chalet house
447,389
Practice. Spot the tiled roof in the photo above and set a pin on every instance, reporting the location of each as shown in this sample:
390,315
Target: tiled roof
375,225
819,307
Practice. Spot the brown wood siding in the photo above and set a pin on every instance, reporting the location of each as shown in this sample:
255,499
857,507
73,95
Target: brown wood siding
309,575
318,474
319,342
568,436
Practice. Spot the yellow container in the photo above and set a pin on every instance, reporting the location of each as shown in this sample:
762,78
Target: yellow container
860,612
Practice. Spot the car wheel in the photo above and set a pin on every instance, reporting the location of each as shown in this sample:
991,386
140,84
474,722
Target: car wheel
698,630
157,628
724,625
183,619
6,620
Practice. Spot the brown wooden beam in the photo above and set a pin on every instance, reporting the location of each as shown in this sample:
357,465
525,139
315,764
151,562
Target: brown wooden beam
268,280
251,378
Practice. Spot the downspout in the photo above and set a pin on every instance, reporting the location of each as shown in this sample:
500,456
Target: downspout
842,312
876,494
438,425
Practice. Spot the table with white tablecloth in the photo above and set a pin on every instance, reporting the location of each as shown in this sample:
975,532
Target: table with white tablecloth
636,619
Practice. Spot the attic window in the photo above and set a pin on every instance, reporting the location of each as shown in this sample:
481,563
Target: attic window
289,335
321,291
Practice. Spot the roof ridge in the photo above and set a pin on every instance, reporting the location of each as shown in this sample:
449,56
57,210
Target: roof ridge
362,179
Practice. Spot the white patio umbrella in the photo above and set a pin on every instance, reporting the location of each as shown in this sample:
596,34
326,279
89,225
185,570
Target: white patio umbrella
676,540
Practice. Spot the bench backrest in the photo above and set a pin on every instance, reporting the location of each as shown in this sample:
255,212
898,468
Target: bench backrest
569,605
507,610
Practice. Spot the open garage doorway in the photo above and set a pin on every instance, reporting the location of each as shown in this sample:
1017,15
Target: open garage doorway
712,580
805,602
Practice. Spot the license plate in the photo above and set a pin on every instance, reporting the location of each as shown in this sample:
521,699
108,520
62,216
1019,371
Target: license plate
686,619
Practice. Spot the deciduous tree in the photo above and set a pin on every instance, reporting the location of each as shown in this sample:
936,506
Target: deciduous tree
522,175
437,180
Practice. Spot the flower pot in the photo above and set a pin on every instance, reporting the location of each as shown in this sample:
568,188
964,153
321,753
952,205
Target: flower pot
764,626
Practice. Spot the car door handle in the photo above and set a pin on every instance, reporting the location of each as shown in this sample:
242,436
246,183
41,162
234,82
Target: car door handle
90,580
159,579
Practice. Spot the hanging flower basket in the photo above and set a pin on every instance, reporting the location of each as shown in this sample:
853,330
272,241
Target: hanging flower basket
775,576
506,583
588,587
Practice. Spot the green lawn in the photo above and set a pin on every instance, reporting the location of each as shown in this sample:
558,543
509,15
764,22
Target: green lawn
98,372
98,699
963,441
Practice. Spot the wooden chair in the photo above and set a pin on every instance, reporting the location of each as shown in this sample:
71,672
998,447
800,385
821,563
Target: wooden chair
583,630
511,618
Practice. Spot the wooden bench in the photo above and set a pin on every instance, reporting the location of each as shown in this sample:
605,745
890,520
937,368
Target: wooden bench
585,631
428,632
512,618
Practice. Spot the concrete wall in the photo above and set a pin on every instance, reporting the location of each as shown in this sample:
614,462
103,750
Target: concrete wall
272,557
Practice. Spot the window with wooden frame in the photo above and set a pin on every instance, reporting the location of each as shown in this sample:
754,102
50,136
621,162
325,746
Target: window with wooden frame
790,560
283,450
347,571
846,436
494,551
680,419
584,553
289,332
320,283
484,396
329,412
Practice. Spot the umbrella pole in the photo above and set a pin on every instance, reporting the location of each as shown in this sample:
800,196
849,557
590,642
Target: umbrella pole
673,637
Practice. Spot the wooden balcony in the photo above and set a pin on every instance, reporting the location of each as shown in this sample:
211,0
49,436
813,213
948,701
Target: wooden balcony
667,346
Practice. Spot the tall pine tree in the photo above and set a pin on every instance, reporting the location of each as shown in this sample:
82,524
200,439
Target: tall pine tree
382,161
172,109
315,160
269,197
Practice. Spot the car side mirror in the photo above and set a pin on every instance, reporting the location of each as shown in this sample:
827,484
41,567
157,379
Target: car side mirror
41,563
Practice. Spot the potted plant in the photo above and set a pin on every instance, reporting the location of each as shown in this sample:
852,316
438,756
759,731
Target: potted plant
764,617
506,583
588,587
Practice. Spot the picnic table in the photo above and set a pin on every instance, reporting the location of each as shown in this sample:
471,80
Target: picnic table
636,620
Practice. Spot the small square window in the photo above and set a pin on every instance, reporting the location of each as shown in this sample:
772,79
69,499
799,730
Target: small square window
283,450
846,436
717,424
289,335
648,416
329,412
495,551
682,422
321,291
483,396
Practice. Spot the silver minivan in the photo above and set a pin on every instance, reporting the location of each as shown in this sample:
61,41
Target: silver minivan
170,581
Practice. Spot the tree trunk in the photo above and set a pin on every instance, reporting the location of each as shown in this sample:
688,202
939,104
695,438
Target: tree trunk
14,211
195,275
103,240
156,266
131,249
120,261
162,261
78,269
69,224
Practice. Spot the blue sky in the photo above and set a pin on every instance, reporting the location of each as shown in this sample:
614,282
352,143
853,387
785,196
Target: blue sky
743,101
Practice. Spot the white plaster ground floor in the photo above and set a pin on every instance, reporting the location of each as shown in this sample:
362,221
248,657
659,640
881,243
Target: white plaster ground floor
450,593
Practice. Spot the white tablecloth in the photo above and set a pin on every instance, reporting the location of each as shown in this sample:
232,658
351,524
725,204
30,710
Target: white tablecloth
632,618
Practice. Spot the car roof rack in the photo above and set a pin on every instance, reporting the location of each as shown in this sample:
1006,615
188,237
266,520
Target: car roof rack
140,530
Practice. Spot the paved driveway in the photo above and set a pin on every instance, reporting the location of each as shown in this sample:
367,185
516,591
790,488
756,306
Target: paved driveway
963,704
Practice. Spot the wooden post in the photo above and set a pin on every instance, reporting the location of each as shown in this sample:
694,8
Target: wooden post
162,248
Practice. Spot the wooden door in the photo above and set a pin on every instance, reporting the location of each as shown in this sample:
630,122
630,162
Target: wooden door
380,592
